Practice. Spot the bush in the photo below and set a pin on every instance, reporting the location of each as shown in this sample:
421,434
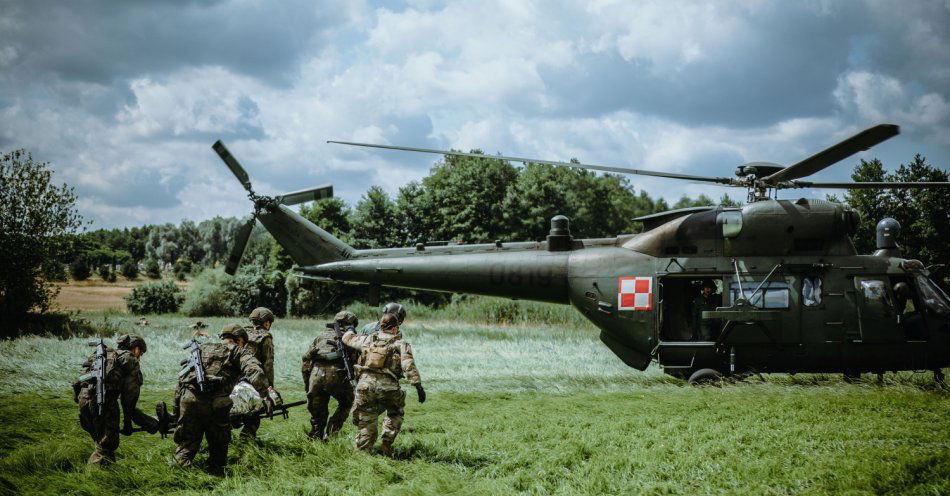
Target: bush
80,269
106,273
213,293
130,270
155,297
152,270
208,296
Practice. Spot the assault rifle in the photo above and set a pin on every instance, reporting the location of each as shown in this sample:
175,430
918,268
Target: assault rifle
98,373
194,363
341,349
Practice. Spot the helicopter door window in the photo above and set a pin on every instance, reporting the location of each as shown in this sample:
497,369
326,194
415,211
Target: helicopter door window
811,291
874,290
772,295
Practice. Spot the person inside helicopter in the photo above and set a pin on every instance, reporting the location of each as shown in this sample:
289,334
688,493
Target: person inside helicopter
908,314
707,299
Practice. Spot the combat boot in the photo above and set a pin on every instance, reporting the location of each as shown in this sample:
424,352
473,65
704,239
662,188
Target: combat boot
316,432
386,449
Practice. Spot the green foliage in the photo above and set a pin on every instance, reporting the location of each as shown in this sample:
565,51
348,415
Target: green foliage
106,273
213,293
152,269
79,269
154,297
37,220
374,224
924,214
130,270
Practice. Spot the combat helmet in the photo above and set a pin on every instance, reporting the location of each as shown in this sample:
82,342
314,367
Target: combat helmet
396,309
129,341
346,319
260,315
233,331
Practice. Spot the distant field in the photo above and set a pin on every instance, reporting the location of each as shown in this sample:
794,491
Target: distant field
95,294
530,409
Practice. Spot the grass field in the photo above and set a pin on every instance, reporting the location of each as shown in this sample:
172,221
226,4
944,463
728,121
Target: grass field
518,409
94,294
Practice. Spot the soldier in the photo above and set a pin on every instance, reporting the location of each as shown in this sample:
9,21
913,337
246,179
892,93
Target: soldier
260,344
324,375
122,379
708,299
207,413
384,358
394,308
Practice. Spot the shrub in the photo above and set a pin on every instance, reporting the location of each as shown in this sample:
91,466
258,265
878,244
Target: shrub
80,269
152,270
130,270
155,297
208,296
106,273
213,293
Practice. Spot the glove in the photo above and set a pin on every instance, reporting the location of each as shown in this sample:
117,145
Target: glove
268,406
421,392
126,428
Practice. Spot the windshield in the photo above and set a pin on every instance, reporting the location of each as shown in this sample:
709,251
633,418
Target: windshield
934,298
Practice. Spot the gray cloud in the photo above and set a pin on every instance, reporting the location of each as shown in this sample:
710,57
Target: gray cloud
100,41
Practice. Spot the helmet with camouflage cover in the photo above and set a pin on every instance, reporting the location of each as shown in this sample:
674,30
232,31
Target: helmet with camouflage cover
260,315
346,319
233,331
396,309
129,341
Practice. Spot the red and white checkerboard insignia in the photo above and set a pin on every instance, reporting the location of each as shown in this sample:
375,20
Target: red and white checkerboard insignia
635,293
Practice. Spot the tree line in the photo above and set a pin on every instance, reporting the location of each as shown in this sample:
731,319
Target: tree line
462,199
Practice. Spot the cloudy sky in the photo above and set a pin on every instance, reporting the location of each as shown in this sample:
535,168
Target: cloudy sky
125,98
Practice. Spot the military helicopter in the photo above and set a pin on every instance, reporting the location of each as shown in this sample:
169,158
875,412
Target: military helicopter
790,292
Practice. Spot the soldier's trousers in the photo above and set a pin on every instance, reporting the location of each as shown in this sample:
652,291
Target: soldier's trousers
327,382
370,403
207,416
104,429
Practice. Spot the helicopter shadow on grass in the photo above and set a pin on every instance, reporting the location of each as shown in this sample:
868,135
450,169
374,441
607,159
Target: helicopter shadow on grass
423,452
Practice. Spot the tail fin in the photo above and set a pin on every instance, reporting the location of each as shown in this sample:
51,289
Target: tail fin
306,243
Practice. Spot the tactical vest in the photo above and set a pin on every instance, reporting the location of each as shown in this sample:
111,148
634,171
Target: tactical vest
325,348
255,337
219,372
114,374
381,355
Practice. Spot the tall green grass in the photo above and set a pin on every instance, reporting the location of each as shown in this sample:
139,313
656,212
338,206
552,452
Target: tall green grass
525,409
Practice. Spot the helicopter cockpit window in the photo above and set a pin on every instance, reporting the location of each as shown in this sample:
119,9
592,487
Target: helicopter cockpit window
811,291
874,290
731,222
933,297
771,295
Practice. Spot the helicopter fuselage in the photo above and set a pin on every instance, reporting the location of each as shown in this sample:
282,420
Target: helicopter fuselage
792,294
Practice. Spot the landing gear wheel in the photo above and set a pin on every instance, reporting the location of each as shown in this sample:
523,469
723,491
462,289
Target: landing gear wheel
939,378
704,377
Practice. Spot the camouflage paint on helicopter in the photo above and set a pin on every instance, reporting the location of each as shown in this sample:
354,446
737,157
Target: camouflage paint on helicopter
795,295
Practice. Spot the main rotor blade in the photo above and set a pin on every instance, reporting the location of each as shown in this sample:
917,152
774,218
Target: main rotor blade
836,153
232,164
305,195
872,185
605,168
240,243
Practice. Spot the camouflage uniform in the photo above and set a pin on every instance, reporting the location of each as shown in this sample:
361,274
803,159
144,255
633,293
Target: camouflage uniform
384,358
260,344
208,413
324,376
123,379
